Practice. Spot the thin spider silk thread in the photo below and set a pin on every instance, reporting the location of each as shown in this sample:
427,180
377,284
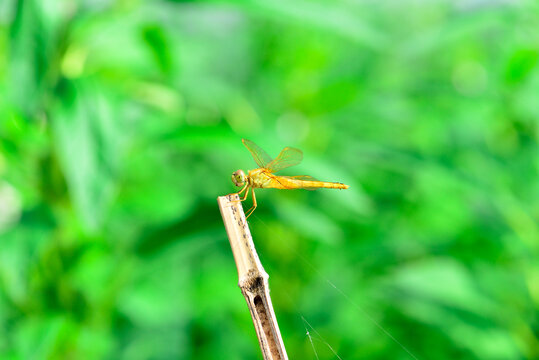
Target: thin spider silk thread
321,338
310,339
343,294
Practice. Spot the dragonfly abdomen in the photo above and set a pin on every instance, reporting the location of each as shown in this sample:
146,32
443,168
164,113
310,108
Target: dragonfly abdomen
283,182
261,178
320,184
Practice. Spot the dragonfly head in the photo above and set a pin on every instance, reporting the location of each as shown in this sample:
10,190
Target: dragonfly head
239,178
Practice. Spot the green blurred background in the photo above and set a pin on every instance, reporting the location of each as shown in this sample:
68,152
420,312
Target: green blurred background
121,123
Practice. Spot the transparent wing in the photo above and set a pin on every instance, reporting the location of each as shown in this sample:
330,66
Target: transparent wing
262,158
288,157
303,177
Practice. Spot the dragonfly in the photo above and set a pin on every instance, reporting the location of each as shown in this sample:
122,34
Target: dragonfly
264,177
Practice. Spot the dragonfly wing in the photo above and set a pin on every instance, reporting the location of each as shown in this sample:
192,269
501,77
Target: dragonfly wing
289,156
262,158
302,177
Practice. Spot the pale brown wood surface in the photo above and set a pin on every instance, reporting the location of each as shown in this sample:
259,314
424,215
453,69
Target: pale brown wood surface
253,279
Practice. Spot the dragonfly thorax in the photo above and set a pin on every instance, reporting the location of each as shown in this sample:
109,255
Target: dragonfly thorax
239,178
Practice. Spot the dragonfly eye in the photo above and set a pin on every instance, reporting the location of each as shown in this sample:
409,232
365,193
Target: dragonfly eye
238,178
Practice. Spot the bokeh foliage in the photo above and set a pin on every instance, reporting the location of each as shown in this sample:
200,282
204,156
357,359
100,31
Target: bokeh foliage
120,124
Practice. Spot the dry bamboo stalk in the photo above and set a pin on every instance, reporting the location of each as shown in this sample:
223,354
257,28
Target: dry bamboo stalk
253,279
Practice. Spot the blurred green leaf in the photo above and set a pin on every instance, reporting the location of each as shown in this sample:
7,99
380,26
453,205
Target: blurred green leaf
121,122
521,64
90,149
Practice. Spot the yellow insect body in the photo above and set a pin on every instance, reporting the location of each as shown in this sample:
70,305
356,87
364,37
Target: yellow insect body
264,177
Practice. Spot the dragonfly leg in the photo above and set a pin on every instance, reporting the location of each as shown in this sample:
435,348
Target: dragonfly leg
246,187
250,211
246,193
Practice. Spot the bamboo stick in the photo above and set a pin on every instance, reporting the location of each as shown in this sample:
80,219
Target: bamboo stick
253,279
